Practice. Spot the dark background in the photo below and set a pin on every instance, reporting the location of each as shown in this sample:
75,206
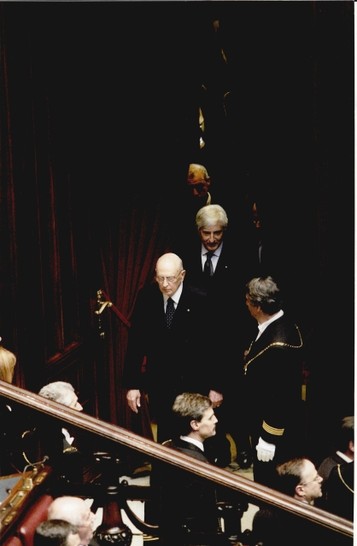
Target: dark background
98,125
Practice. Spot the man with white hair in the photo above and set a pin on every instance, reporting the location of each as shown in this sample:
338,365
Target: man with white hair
170,341
64,448
61,392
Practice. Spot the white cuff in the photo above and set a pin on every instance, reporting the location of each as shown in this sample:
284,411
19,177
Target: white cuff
265,451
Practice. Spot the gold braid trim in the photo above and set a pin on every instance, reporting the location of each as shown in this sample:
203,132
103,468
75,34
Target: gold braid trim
274,344
272,430
342,480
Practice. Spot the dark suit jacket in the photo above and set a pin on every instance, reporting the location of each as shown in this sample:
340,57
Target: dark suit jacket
187,501
229,267
165,362
340,490
230,331
226,294
232,325
328,464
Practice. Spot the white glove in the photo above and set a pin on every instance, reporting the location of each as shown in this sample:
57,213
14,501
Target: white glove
265,451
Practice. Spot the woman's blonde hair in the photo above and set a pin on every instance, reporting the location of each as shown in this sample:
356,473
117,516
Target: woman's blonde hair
7,364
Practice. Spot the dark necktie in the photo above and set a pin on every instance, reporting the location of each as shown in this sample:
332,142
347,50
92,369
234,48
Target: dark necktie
208,267
170,310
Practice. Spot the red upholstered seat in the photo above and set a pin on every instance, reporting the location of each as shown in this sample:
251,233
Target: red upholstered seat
13,541
33,517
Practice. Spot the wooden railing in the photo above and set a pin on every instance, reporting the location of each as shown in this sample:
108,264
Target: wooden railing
254,492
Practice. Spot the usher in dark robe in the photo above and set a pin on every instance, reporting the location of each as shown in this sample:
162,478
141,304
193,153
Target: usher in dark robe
272,387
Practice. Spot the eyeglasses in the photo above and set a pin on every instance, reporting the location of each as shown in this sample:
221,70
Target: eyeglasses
317,478
169,280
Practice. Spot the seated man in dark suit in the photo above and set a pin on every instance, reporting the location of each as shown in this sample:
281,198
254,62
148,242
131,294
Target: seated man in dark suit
61,444
340,490
188,504
343,454
56,532
77,512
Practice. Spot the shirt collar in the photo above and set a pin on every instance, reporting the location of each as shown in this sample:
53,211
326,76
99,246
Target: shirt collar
217,252
177,295
344,457
264,325
193,441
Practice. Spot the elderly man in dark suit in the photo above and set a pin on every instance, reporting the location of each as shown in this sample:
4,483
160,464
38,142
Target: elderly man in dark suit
165,354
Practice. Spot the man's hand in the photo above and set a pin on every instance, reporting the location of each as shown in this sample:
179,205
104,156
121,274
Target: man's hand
265,451
133,398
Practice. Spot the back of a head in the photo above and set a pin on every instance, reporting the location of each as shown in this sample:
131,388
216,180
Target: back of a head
266,527
7,364
211,215
289,475
264,292
54,532
67,508
58,391
345,433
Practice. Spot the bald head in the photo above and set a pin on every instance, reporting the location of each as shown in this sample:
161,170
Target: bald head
77,512
169,273
169,261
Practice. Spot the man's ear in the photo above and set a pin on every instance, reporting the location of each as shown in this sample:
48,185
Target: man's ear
194,424
299,491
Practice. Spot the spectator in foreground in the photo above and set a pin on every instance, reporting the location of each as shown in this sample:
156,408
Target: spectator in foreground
77,512
56,532
299,479
188,504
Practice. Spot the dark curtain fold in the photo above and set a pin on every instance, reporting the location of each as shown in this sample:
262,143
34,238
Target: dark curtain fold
7,205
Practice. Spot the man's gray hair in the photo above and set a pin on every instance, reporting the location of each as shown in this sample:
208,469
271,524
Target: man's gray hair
265,293
210,215
58,391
